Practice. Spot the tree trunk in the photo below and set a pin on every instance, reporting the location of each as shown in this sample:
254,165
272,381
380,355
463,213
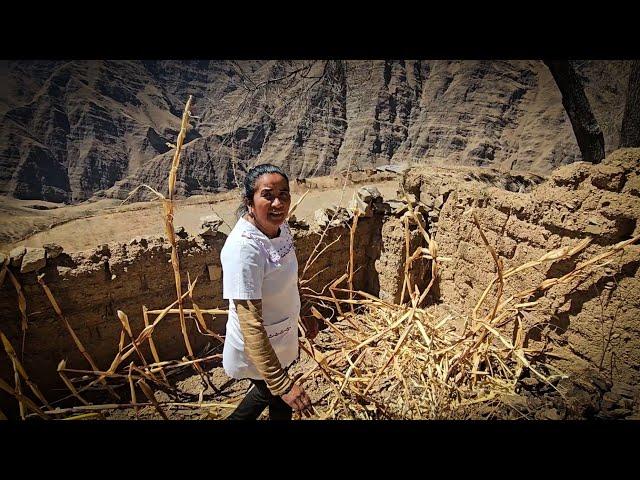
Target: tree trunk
630,134
585,126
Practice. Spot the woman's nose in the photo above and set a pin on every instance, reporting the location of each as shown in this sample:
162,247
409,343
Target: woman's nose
276,202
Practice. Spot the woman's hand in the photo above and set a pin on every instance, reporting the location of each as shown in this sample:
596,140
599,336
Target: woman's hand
310,327
298,399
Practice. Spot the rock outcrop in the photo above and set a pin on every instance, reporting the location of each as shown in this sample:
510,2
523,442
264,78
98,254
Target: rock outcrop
78,129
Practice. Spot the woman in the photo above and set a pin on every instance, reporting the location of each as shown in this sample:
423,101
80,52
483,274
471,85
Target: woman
260,280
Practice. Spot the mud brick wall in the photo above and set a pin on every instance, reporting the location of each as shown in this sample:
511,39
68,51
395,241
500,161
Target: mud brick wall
91,286
594,323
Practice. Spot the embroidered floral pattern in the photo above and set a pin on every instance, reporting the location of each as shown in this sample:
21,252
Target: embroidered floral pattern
284,250
273,254
276,334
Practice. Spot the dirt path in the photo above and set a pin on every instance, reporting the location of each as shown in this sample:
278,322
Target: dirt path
80,227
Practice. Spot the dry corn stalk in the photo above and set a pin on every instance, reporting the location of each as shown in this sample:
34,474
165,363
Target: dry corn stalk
22,302
77,341
149,394
168,206
431,246
21,398
499,266
295,205
314,256
124,319
148,331
3,271
352,233
191,311
20,369
132,389
200,317
168,209
61,366
152,345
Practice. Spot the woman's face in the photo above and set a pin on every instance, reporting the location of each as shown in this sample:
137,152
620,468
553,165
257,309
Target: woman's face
271,202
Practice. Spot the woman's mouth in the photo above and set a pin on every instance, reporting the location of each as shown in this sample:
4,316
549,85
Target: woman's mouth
276,215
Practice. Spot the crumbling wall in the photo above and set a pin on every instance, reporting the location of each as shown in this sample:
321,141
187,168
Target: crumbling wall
592,323
391,262
91,286
333,262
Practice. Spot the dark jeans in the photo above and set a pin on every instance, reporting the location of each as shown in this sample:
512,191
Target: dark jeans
258,398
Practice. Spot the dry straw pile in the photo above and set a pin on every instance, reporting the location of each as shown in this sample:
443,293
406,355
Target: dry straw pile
404,362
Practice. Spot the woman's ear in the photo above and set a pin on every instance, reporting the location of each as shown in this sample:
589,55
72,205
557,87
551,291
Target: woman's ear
249,204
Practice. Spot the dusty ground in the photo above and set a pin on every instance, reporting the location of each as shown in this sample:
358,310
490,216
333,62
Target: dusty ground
34,223
589,396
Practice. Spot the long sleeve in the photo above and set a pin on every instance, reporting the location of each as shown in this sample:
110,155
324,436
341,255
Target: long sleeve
258,347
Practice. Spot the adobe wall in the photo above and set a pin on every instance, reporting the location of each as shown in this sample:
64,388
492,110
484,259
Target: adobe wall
591,324
91,286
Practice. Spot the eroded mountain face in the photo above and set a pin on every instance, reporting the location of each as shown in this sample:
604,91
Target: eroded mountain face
73,130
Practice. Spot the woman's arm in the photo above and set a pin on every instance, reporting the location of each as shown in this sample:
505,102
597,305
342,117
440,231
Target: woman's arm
259,350
258,347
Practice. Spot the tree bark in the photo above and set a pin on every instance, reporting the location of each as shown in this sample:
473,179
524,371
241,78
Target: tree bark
630,134
585,126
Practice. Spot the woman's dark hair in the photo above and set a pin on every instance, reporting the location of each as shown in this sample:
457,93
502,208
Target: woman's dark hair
250,181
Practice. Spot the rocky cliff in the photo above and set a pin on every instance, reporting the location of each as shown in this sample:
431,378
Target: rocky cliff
75,129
